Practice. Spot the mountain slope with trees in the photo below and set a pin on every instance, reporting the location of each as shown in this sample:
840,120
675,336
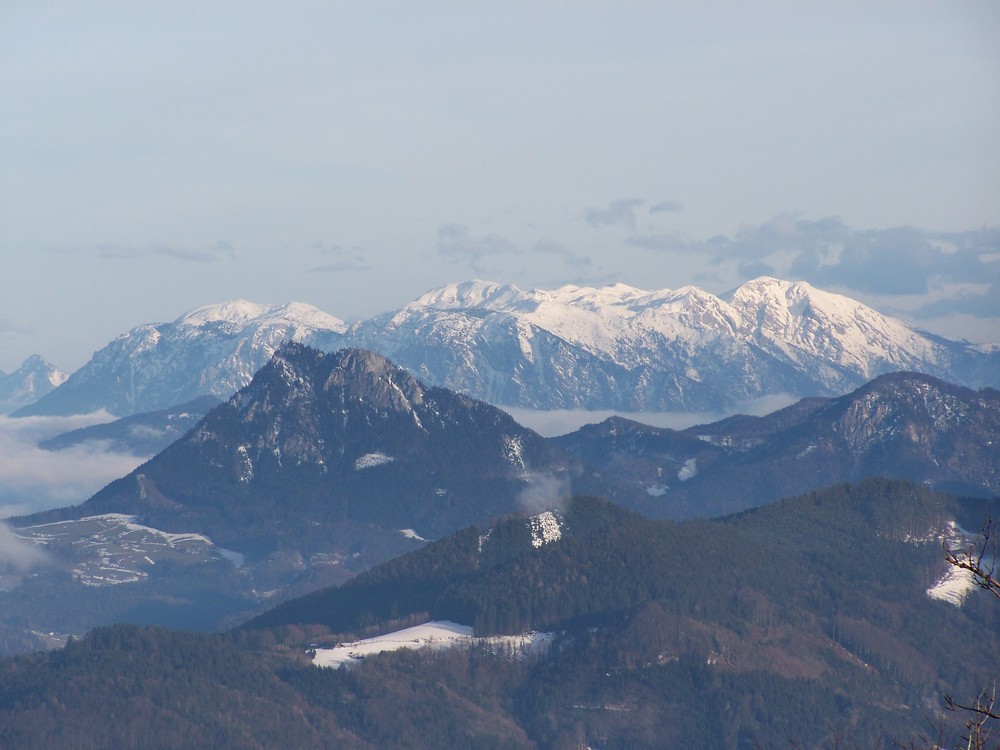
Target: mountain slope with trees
806,621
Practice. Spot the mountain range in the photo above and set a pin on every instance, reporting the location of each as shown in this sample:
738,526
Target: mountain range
818,620
326,464
615,347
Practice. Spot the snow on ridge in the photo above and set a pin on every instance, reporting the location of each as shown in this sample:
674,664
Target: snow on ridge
474,293
245,313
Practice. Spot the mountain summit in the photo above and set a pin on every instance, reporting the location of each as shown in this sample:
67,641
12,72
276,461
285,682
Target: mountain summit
323,447
614,347
618,347
34,379
212,350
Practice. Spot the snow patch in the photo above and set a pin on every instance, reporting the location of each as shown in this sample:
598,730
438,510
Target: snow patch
371,460
545,528
954,587
437,634
688,470
513,451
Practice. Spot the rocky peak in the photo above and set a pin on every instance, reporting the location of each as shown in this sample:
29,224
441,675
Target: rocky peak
364,375
31,381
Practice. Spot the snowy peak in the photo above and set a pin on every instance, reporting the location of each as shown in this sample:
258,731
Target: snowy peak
241,313
802,322
210,351
31,381
487,295
612,347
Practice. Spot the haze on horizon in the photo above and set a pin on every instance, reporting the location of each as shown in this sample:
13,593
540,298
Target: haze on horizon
354,155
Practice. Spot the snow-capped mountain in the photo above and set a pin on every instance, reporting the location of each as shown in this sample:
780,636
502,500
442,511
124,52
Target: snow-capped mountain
30,382
615,347
212,350
618,347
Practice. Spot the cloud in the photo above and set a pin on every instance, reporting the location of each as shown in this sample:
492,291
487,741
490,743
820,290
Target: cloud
12,326
751,269
17,554
220,250
898,261
117,252
342,259
554,422
663,206
616,213
660,242
571,258
977,303
544,492
32,479
455,240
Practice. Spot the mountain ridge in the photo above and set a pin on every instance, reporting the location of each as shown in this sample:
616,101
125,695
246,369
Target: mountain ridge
615,347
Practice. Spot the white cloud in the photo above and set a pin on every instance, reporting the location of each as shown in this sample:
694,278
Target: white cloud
32,479
544,492
17,554
619,212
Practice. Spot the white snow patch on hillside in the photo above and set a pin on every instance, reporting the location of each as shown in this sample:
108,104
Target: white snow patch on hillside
437,634
545,529
371,460
954,587
110,548
688,470
513,451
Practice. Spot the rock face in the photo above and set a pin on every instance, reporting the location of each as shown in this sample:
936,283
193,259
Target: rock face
615,347
34,379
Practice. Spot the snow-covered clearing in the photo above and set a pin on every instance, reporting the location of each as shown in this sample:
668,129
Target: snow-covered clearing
954,586
436,635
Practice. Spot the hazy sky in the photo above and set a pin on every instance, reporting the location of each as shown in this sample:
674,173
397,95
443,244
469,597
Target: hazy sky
158,156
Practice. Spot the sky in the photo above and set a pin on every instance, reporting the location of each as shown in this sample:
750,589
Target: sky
156,157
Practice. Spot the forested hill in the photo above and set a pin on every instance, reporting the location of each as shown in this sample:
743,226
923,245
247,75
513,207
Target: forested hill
847,542
806,622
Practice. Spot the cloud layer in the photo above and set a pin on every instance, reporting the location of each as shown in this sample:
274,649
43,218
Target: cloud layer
17,554
32,479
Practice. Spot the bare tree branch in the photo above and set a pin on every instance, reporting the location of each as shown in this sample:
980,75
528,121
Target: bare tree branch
980,558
